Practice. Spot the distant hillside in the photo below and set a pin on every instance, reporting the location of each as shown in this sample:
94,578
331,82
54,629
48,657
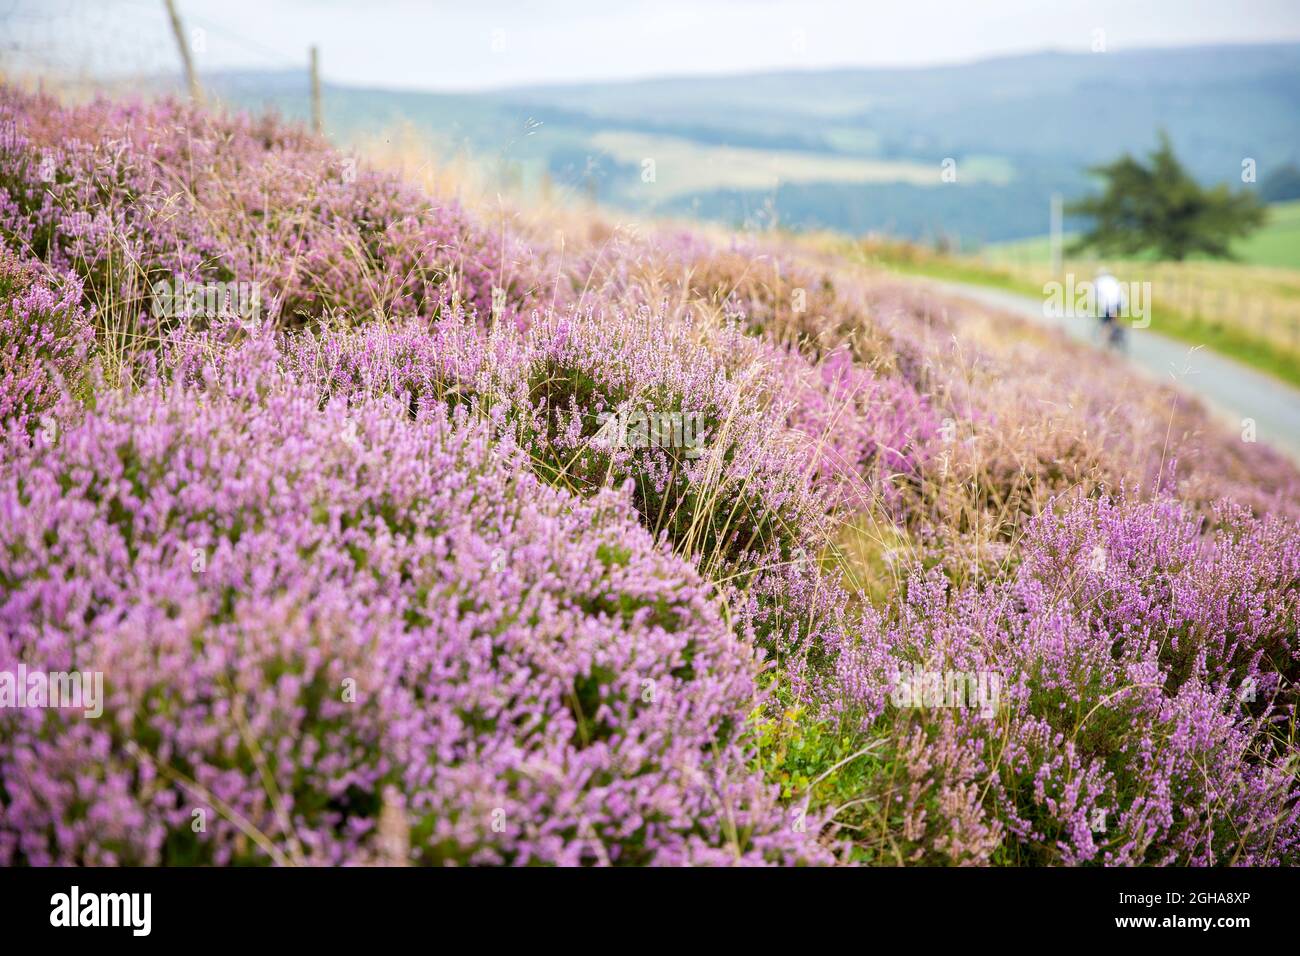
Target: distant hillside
855,150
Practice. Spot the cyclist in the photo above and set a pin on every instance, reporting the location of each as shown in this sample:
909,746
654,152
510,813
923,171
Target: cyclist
1111,304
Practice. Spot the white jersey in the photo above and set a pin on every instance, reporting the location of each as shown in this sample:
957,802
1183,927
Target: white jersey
1110,296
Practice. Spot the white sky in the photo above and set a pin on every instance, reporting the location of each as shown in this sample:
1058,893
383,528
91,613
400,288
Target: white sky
489,43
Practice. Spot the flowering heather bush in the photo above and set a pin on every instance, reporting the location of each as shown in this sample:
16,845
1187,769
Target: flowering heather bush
45,338
1148,680
534,678
134,195
743,510
97,207
377,582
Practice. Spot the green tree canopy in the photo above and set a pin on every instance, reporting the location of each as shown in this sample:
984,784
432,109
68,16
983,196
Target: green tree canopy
1159,206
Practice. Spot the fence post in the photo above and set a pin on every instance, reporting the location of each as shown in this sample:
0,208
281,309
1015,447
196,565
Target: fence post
317,124
191,78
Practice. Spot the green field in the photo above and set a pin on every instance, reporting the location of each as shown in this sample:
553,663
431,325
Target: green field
1276,244
685,167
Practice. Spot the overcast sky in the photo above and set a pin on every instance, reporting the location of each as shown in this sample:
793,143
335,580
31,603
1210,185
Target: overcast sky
474,44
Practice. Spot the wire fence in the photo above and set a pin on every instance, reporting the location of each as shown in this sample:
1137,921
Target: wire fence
108,44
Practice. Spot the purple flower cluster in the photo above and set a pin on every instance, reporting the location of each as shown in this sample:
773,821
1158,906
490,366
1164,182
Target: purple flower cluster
1147,679
299,608
45,339
132,195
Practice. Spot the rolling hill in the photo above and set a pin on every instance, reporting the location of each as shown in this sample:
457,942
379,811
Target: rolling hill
851,150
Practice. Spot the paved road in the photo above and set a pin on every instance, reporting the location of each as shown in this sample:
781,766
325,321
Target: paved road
1229,389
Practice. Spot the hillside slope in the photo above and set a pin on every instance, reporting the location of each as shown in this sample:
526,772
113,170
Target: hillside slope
403,531
852,150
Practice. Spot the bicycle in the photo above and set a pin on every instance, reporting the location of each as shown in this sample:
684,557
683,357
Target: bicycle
1113,335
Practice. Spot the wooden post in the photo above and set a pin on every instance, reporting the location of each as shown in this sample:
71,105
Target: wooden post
1055,217
191,78
317,124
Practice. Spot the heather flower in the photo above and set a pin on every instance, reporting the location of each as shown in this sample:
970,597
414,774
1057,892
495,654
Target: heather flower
45,340
299,607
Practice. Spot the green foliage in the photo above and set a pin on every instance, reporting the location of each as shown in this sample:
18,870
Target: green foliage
810,758
1160,206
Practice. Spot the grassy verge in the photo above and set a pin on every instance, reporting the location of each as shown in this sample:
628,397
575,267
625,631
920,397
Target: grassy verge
1281,363
1276,354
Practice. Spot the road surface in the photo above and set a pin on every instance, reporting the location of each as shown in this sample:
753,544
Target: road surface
1229,389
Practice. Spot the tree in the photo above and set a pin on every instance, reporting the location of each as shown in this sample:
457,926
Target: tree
1160,206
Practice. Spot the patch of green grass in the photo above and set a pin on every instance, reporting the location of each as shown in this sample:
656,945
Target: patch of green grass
1276,244
1233,342
960,270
